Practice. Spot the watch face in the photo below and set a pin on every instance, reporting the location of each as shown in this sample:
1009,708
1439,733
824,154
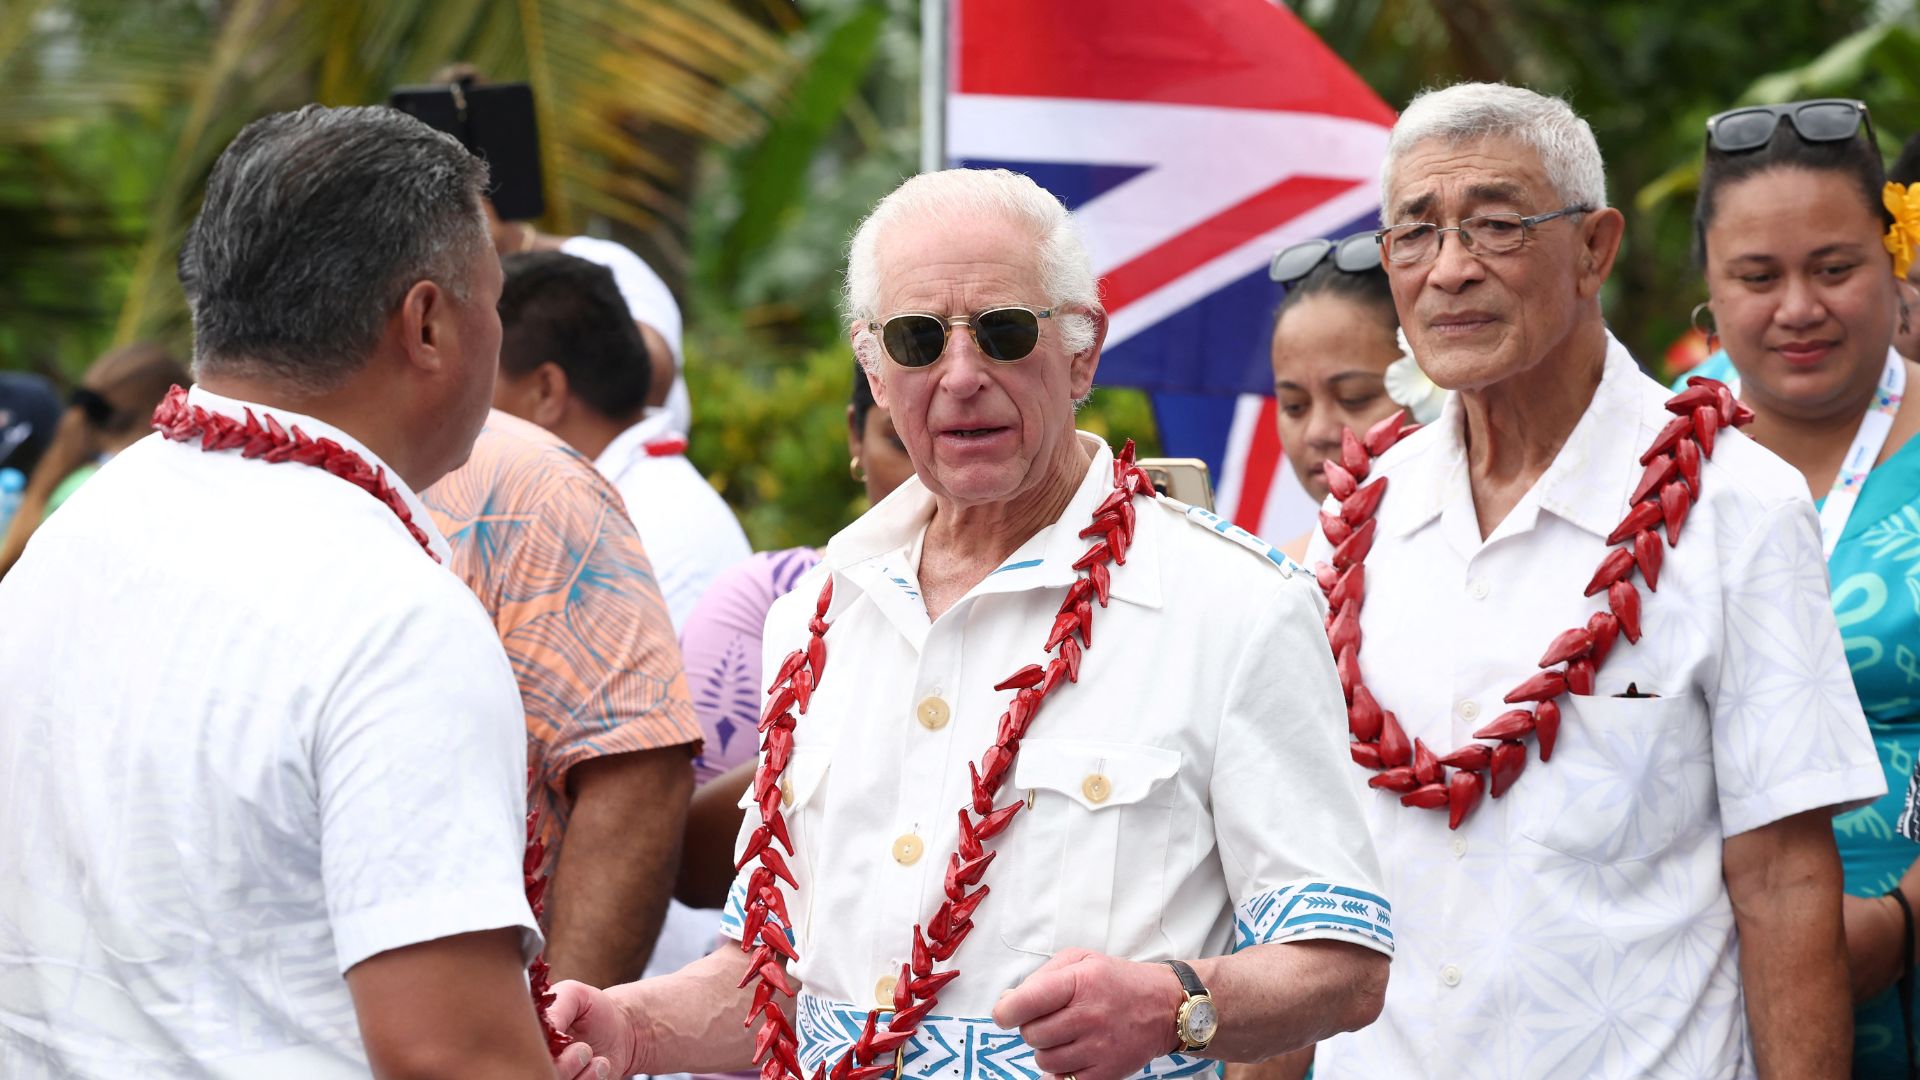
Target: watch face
1202,1022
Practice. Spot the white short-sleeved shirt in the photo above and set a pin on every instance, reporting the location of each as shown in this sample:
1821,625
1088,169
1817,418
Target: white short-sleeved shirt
1207,703
648,301
250,735
1580,925
689,531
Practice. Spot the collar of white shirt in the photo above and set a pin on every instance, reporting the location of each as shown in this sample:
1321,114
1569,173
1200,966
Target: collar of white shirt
319,429
871,552
631,443
1587,484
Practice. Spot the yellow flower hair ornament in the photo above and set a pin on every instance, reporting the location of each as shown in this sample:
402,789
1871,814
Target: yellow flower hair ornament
1903,236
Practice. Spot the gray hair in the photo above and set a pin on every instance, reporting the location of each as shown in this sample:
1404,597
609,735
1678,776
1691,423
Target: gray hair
1469,111
316,224
1066,272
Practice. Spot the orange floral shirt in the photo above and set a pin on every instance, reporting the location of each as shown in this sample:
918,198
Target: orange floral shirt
545,543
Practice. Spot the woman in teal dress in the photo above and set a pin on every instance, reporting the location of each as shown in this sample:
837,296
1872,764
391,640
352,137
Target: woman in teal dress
1789,231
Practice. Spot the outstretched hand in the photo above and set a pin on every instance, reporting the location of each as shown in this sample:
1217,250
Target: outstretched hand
1093,1017
604,1036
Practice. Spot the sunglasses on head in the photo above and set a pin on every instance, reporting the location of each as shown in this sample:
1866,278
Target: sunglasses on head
1820,120
1004,335
1354,254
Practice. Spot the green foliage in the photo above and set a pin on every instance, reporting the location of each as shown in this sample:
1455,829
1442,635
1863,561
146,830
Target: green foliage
1646,74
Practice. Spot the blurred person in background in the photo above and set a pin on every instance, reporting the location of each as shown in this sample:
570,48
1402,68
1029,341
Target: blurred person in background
566,366
1340,362
1906,172
266,766
1804,265
722,644
544,541
110,410
29,412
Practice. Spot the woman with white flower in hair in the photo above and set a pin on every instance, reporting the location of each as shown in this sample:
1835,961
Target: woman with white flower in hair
1339,359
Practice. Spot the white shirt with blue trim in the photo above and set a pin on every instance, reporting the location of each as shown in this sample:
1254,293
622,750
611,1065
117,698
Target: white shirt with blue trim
1189,794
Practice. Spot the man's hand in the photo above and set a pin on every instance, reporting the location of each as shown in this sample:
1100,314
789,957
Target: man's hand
592,1016
1094,1017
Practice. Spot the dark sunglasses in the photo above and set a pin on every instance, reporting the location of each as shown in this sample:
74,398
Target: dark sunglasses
1817,121
1354,254
1004,334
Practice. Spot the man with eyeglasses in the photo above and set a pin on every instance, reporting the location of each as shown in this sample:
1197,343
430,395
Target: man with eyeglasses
984,839
1597,697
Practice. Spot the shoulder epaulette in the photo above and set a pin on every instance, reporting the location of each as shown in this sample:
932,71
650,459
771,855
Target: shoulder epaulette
1219,526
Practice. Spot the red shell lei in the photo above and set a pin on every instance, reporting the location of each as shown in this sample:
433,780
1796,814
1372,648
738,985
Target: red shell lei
268,440
1667,490
916,991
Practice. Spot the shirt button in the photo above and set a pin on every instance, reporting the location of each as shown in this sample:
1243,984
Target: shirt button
1096,788
1469,710
1478,588
907,849
786,793
1459,846
1450,975
883,990
933,713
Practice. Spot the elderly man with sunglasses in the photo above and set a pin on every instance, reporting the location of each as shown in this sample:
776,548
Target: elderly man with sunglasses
1604,809
985,838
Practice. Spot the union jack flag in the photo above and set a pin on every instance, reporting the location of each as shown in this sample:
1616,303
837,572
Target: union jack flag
1193,139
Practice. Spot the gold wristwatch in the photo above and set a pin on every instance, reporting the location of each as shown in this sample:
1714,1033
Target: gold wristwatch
1196,1023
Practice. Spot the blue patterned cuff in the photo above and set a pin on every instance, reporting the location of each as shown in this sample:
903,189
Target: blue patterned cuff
733,916
1315,908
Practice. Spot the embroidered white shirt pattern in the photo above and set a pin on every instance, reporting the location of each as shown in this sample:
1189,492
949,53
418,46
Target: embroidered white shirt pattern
1189,793
1579,925
250,736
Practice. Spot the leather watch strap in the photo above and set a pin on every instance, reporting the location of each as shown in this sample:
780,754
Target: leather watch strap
1189,981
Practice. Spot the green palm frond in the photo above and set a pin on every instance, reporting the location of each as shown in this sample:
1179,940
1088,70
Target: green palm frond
629,92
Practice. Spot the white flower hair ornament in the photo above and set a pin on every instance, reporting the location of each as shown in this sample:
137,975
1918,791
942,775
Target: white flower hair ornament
1409,387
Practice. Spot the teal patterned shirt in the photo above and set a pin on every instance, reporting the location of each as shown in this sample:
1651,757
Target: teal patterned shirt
1875,576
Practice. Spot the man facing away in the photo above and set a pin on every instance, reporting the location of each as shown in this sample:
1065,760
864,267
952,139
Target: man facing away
544,541
261,759
566,368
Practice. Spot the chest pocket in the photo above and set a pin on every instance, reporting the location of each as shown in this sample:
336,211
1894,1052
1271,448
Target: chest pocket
801,789
1092,843
1627,775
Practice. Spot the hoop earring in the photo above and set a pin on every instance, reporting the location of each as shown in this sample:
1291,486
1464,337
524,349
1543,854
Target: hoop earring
854,469
1712,330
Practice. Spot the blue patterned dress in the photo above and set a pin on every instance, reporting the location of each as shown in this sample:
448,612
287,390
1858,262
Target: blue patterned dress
1875,576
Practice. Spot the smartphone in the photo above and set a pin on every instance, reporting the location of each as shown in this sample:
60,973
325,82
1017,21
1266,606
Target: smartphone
495,121
1184,479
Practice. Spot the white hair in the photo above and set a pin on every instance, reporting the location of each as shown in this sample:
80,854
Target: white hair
1471,111
1066,272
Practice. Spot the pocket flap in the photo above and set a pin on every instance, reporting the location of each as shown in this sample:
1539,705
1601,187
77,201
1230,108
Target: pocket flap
805,770
1097,775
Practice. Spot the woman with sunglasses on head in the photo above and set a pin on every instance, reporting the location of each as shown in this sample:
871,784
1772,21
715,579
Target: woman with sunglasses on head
110,410
1339,361
1792,229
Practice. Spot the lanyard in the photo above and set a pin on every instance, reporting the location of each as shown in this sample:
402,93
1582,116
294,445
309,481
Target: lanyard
1875,426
